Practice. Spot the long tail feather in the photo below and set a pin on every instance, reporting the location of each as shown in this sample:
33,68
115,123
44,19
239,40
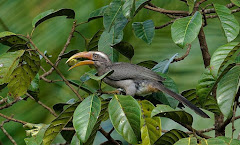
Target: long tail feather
183,100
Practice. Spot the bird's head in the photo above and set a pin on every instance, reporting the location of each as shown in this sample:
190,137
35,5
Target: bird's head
96,58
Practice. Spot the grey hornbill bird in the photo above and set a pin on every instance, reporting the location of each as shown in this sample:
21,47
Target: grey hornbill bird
133,79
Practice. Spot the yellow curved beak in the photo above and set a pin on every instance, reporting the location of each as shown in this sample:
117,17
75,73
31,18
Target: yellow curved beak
88,55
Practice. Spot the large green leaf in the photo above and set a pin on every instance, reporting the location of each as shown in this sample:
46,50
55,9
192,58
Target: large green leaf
58,124
144,30
75,141
227,90
22,76
85,117
98,13
229,141
125,49
236,2
113,16
163,66
150,126
229,23
8,62
213,141
165,98
51,14
129,9
178,116
106,41
10,39
101,117
125,115
185,30
222,56
171,137
187,141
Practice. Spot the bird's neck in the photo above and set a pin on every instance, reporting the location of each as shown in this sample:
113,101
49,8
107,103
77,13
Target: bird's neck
103,69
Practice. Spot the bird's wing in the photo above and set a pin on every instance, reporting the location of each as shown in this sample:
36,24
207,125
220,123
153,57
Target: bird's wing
124,71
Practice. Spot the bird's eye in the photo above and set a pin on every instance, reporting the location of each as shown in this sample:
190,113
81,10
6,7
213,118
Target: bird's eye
95,56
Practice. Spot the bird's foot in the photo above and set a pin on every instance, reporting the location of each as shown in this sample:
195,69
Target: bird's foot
118,92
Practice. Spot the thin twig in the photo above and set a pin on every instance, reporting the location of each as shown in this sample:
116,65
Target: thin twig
68,128
49,81
6,133
108,136
44,106
165,25
164,11
195,131
62,52
207,130
57,70
12,119
10,104
184,56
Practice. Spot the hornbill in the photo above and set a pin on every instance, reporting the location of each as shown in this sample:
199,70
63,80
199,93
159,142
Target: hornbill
132,78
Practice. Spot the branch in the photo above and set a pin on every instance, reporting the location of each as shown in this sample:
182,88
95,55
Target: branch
204,48
108,136
164,11
55,67
195,131
44,106
165,25
212,10
184,56
62,52
10,104
6,133
12,119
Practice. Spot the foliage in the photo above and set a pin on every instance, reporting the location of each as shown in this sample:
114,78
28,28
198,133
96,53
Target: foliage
136,119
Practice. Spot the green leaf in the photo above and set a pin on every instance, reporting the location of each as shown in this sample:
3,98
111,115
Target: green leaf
227,90
187,141
58,108
75,141
129,9
222,56
144,30
33,90
185,30
148,64
229,141
113,16
23,75
103,114
163,66
171,137
205,85
10,39
82,86
165,98
98,78
151,127
93,43
229,23
125,49
236,2
85,117
140,4
191,4
209,103
106,41
125,115
58,124
8,62
180,117
98,13
69,13
212,141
